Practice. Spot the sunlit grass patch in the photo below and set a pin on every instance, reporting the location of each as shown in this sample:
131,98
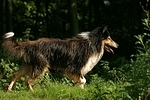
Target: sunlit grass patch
55,91
58,91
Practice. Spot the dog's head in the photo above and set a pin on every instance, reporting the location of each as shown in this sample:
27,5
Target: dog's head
107,40
101,35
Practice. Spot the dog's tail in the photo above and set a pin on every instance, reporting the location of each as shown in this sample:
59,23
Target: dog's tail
11,48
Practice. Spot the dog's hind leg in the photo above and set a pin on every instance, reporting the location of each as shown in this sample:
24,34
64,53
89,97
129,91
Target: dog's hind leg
40,65
30,80
24,70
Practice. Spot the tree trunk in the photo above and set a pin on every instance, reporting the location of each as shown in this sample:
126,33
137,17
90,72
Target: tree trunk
47,19
74,26
37,2
89,14
3,21
9,26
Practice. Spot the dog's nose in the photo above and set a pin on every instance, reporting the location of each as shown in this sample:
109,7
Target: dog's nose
116,45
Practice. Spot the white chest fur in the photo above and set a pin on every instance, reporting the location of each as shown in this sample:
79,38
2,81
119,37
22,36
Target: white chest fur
92,61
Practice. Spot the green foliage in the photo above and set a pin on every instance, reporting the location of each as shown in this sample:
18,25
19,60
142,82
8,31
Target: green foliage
138,71
101,89
6,69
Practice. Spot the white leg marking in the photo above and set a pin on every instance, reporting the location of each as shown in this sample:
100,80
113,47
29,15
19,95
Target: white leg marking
81,82
10,86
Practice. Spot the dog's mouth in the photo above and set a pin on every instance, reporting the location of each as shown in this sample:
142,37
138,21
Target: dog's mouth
109,48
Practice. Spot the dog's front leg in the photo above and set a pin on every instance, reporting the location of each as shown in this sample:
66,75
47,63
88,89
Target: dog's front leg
80,82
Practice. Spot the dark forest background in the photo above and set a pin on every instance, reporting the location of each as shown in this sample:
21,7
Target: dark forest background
65,18
128,22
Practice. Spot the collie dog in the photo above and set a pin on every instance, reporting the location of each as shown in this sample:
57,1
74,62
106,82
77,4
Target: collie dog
75,56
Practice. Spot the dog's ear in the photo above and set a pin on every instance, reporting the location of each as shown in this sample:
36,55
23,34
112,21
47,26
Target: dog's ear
105,32
104,29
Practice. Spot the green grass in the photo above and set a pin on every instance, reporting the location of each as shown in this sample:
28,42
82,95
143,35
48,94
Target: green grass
55,91
98,89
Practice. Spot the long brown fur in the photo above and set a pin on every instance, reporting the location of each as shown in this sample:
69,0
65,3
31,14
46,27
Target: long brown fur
75,56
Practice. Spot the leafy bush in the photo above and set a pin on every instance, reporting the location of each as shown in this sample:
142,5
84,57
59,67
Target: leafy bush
101,89
138,71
